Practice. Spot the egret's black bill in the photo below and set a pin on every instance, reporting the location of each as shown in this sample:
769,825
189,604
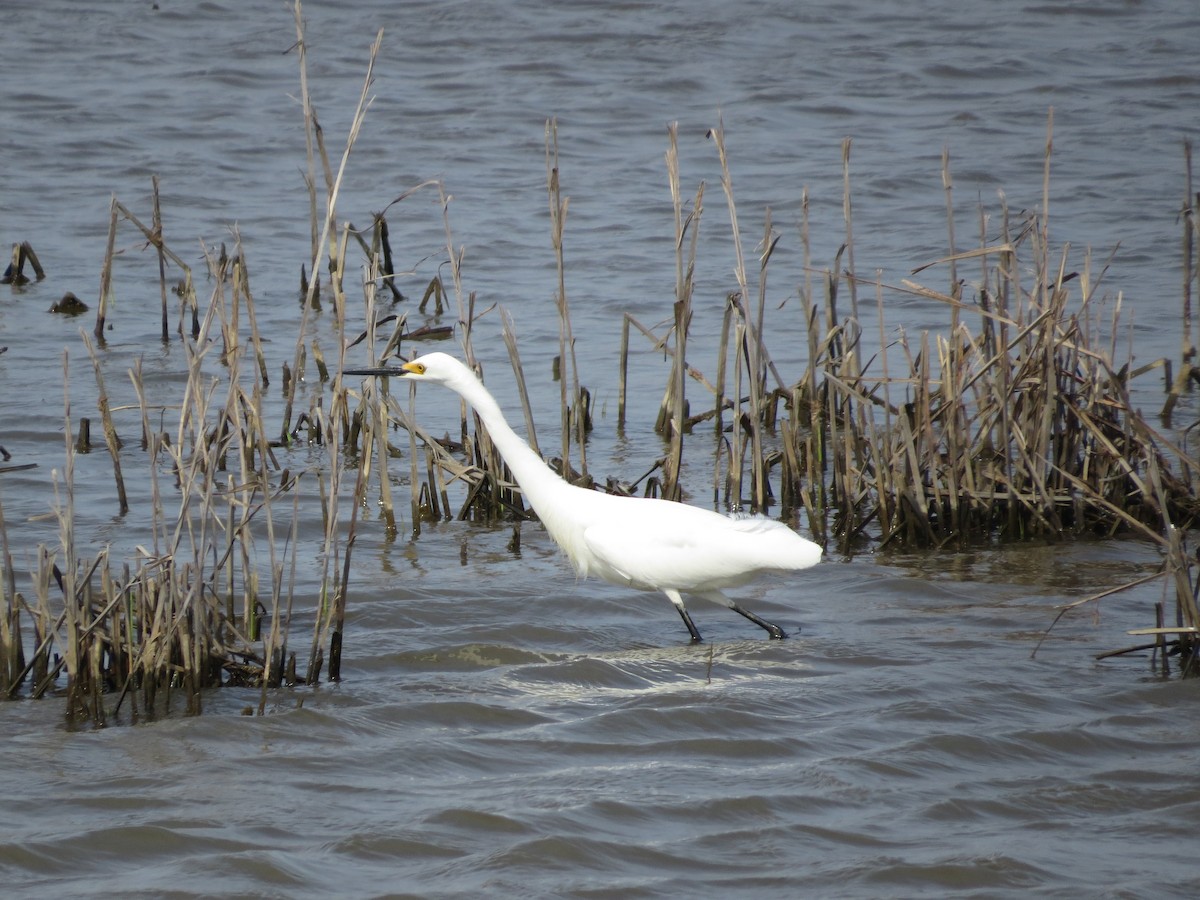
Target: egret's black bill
379,371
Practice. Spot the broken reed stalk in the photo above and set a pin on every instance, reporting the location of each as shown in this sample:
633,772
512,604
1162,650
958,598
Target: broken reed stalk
748,349
73,652
156,224
379,418
487,460
329,223
111,440
106,272
329,626
14,272
848,219
571,395
623,372
12,649
242,295
508,333
1191,243
414,475
733,481
676,399
310,178
720,400
954,290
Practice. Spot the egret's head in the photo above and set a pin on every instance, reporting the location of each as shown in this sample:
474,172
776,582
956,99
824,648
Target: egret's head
439,367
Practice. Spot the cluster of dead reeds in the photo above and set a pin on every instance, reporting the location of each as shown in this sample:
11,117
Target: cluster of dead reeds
208,596
1015,422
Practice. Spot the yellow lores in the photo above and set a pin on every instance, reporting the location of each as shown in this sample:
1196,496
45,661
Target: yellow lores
638,542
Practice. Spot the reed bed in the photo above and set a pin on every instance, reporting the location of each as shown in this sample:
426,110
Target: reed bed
1013,423
207,598
209,595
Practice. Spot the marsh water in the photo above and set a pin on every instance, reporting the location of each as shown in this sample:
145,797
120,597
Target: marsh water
500,728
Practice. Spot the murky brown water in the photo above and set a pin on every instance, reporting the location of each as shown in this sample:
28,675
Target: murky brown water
502,729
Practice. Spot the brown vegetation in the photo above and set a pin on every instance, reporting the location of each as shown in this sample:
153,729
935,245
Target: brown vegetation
1014,423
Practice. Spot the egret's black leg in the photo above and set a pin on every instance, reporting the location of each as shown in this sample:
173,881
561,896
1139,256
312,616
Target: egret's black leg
691,626
674,597
773,630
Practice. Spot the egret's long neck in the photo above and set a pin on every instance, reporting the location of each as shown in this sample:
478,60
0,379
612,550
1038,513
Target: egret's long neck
536,479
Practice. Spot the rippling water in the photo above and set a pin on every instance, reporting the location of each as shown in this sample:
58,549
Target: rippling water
502,729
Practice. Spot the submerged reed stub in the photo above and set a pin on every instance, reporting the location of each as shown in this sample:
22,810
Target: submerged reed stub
14,272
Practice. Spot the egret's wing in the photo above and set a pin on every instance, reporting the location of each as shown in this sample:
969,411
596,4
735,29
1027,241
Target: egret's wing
657,544
773,544
645,555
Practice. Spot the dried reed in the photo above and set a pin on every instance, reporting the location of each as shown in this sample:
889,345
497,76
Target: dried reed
186,612
1016,423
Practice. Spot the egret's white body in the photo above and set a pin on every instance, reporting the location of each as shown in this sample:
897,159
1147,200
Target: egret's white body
639,542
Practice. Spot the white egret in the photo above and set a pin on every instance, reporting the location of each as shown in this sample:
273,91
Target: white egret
638,542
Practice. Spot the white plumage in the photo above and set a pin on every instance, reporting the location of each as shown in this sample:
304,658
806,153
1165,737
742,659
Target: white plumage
639,542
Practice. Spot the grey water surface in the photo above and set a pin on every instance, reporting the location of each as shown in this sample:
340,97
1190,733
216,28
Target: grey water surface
501,729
